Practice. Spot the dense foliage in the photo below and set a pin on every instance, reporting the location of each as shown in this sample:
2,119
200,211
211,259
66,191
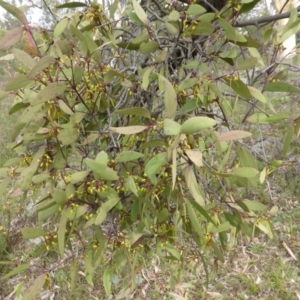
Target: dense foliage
129,136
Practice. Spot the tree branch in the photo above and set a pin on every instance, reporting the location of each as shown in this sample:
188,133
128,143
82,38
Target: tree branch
263,20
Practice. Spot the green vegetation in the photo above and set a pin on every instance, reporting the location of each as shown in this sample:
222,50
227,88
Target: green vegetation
143,156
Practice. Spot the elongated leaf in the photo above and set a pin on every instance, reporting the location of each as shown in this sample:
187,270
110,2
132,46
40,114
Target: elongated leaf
74,4
195,124
16,12
128,156
233,135
194,220
41,65
280,86
61,232
257,94
136,111
24,58
170,98
195,9
195,156
101,171
50,92
246,172
140,12
153,165
171,127
32,233
287,141
18,82
17,270
231,33
239,87
35,288
130,184
128,129
174,252
107,280
254,205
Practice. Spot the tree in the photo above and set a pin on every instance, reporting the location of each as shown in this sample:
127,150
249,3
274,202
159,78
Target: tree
129,135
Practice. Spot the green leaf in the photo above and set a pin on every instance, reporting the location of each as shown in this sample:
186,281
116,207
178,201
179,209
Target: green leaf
60,27
172,29
61,232
257,94
140,12
193,185
290,32
18,82
154,143
170,98
50,92
280,86
40,178
65,108
247,63
260,118
189,106
130,184
248,6
16,12
221,227
171,127
194,220
254,205
246,158
203,212
246,172
128,156
35,288
187,84
287,141
24,58
195,9
146,75
3,94
163,215
78,177
27,174
101,171
195,124
174,16
149,47
201,28
74,4
174,252
17,270
59,196
265,227
68,136
154,164
107,277
239,87
217,251
231,33
136,111
32,232
17,107
41,65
